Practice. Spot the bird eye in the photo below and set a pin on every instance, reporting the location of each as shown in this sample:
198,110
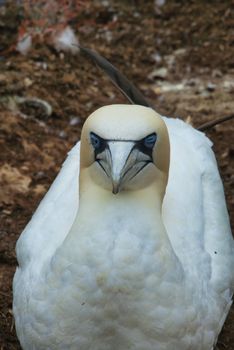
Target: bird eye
149,141
98,143
95,140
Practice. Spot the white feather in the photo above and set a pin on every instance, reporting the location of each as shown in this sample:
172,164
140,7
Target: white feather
66,40
24,44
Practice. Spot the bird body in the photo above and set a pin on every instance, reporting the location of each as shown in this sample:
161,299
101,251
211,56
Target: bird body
137,259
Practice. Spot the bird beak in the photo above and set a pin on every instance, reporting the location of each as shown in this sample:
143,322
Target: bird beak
120,153
122,161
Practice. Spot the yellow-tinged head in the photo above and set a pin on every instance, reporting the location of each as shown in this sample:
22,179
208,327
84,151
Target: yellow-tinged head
125,148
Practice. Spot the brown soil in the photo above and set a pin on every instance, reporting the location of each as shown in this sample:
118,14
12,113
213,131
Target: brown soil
192,40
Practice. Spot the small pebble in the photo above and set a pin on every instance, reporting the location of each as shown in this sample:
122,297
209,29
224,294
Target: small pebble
75,121
211,87
62,134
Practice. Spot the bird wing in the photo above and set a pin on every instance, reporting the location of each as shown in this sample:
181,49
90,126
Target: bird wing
194,209
54,217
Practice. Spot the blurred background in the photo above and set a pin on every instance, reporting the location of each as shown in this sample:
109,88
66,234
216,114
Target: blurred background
178,53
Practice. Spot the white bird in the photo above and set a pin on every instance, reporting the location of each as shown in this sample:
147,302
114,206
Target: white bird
131,247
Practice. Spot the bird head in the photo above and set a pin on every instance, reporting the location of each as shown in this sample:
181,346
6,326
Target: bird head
125,148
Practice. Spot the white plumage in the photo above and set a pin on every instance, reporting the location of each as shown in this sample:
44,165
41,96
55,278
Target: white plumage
114,273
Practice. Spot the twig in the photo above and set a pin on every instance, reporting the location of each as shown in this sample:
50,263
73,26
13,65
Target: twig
212,123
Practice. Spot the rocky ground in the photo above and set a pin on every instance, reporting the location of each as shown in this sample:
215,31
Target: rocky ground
181,57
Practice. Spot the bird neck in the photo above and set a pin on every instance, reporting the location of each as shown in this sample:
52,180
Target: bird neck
108,224
95,200
99,207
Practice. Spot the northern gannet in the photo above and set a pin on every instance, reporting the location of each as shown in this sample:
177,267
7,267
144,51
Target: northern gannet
131,247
